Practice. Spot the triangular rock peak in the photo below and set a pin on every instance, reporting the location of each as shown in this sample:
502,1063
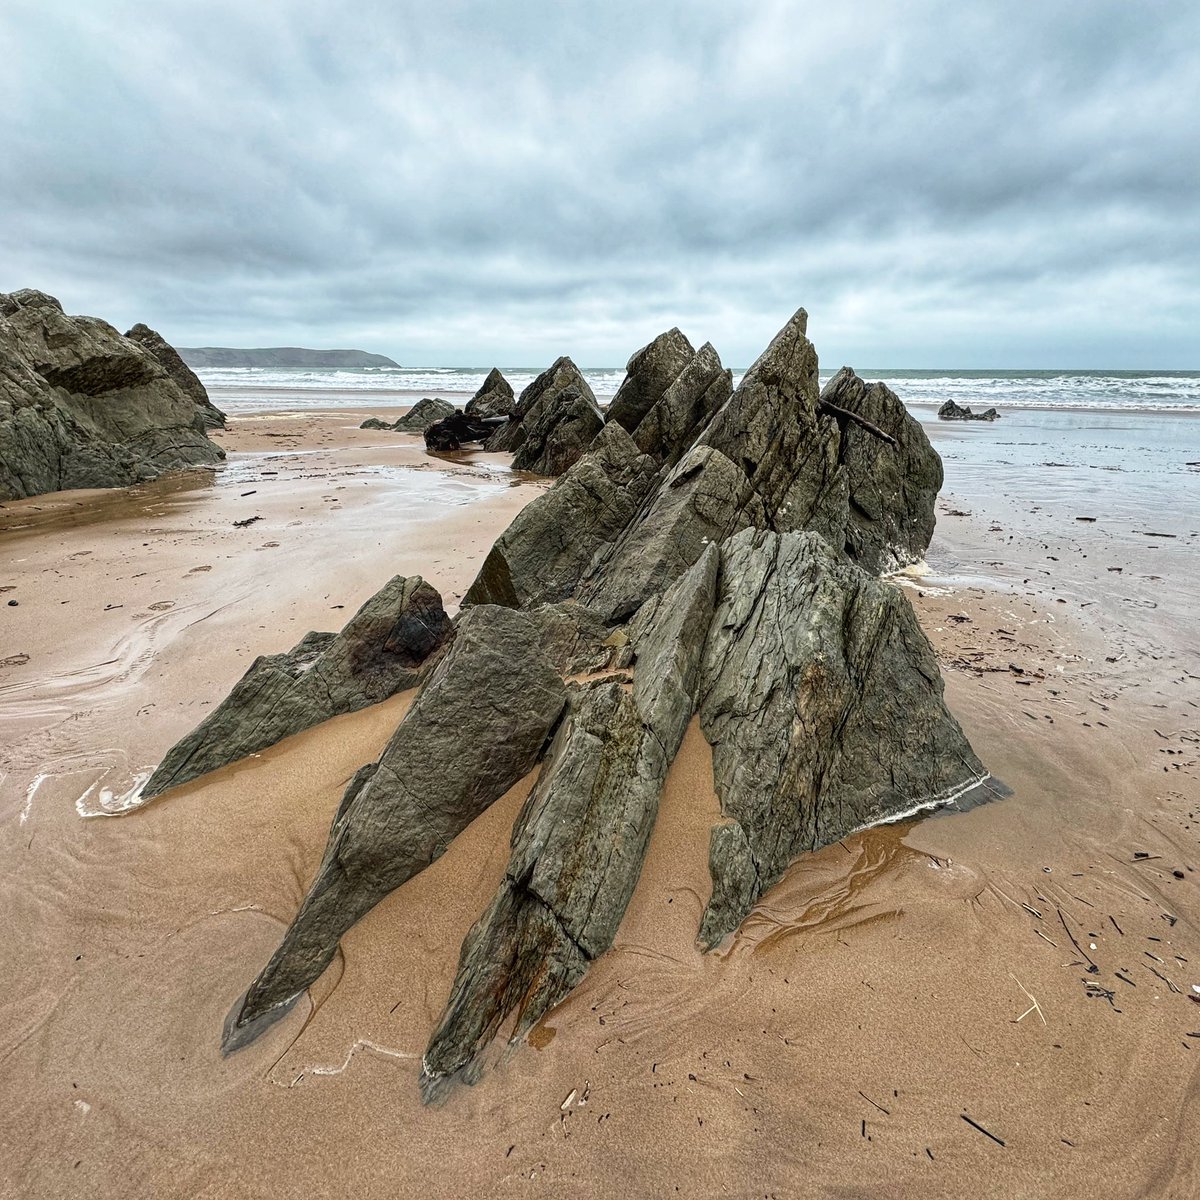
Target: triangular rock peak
714,553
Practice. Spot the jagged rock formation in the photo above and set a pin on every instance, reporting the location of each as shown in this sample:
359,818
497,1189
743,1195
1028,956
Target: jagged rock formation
418,419
458,430
184,376
83,407
822,700
648,374
713,553
493,399
477,727
386,647
541,393
955,412
558,432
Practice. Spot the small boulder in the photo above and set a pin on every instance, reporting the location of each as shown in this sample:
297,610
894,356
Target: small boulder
423,414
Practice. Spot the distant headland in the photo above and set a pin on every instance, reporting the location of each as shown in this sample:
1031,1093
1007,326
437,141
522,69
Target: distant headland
280,356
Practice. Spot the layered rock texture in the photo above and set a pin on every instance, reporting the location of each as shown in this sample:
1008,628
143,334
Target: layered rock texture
710,554
386,647
187,379
81,406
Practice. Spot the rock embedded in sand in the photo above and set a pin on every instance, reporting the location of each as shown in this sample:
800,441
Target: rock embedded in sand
83,407
955,412
822,700
493,399
480,723
386,647
187,379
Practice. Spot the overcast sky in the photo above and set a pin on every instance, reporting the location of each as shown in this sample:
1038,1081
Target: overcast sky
938,183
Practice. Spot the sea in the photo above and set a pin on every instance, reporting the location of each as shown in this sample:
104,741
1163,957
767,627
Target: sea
250,389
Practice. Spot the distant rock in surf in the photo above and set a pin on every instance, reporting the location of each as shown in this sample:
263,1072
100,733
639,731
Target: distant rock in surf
81,406
954,412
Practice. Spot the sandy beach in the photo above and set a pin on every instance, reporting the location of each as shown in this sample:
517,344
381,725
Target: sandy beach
1004,1001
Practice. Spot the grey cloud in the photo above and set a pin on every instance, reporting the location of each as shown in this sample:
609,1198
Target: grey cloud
938,183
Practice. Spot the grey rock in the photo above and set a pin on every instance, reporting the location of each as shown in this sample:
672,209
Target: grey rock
493,399
956,412
558,433
386,647
559,376
690,402
83,407
822,700
479,724
544,553
169,359
580,841
648,374
703,500
892,488
418,419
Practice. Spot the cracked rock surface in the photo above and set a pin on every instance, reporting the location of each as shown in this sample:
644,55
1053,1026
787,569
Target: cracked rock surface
386,647
493,399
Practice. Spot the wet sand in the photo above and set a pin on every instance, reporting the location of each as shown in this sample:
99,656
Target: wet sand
881,993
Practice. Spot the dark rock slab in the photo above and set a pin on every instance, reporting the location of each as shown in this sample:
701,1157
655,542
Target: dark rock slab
386,647
560,375
580,841
822,700
893,488
558,432
480,723
493,399
648,374
544,553
956,412
83,407
686,407
169,359
458,430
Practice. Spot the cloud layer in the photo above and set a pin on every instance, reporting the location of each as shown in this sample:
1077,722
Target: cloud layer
940,184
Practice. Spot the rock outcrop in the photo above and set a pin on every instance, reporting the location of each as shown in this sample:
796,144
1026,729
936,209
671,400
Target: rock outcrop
648,374
822,700
956,412
418,419
83,407
540,393
493,399
458,430
386,647
477,727
558,431
714,553
169,359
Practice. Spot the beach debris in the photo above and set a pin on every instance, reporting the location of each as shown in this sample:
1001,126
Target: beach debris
83,407
387,646
246,523
1034,1006
457,430
955,412
986,1132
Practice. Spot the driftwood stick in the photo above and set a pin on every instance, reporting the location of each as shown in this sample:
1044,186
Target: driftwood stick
845,414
